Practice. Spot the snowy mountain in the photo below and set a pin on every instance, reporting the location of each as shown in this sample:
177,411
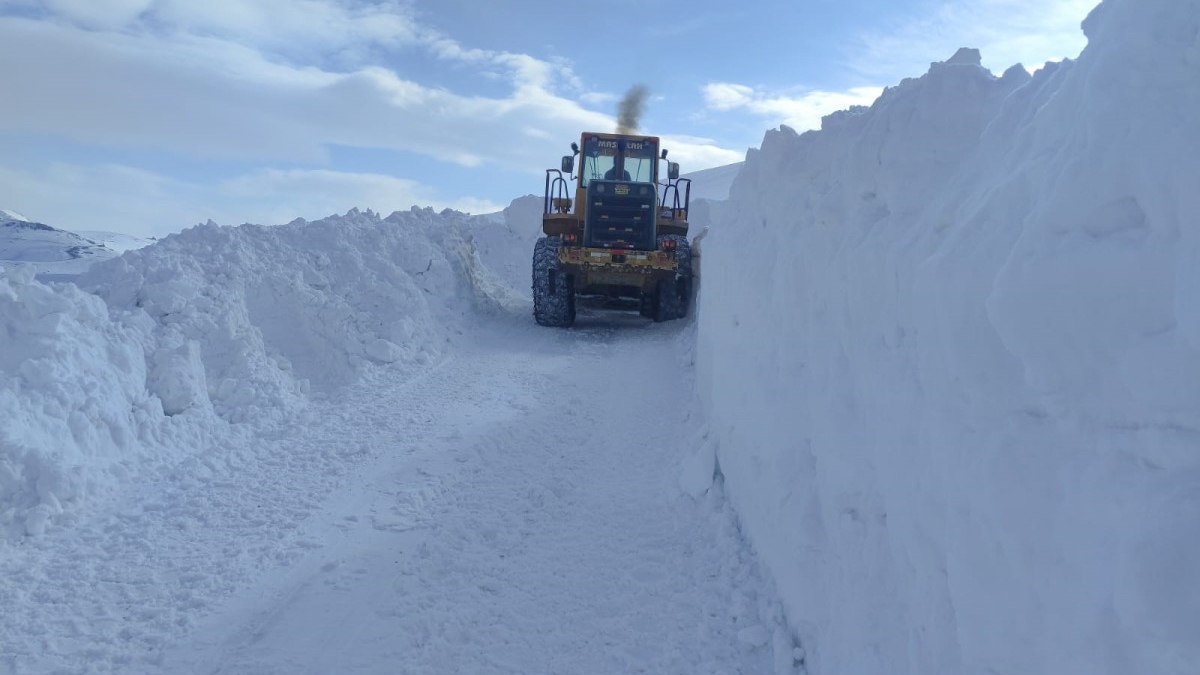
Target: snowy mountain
6,215
116,241
48,250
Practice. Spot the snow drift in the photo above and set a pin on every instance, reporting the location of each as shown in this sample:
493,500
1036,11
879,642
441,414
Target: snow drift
156,353
965,437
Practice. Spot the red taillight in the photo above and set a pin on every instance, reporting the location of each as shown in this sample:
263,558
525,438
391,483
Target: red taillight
669,244
569,238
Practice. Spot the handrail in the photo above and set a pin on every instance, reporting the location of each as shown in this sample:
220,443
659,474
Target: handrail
672,188
554,189
687,195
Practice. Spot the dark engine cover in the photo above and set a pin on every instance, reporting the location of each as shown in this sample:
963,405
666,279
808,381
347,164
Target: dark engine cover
620,214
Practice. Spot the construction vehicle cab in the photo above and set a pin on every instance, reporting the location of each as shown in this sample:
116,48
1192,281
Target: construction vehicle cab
622,235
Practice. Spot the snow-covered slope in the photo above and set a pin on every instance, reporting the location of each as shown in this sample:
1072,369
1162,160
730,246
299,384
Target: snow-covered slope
46,249
163,347
115,240
950,347
503,242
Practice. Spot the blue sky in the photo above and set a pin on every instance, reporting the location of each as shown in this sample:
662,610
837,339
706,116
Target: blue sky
147,116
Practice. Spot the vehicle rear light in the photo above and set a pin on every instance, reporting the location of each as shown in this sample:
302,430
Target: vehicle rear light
669,244
569,238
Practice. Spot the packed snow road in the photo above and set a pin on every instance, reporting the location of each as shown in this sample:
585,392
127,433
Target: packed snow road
513,509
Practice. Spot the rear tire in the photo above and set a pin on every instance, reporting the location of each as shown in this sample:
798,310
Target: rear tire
648,305
553,288
674,295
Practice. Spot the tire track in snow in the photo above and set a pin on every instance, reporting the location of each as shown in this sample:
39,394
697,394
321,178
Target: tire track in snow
492,515
115,591
556,542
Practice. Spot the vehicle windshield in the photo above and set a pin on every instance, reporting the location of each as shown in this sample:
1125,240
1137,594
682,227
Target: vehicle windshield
600,155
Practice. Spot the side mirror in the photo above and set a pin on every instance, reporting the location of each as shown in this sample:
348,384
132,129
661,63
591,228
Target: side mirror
672,170
568,164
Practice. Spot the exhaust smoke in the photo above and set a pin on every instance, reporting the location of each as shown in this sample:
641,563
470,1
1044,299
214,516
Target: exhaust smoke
629,111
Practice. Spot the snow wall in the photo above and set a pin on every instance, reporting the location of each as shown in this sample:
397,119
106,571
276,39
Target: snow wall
949,348
155,355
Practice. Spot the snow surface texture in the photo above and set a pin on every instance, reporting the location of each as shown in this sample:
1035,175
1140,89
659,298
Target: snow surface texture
503,242
419,485
965,438
212,326
501,523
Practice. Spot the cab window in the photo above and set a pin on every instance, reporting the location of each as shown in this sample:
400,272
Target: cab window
599,157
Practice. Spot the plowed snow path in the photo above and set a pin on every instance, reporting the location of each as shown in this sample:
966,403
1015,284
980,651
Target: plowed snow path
513,510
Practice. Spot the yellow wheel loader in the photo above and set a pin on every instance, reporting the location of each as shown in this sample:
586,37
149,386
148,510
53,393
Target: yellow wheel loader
623,236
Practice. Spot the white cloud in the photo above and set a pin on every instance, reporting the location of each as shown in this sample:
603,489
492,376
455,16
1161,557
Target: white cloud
98,13
727,96
312,193
100,197
694,154
800,111
1006,32
339,34
269,82
599,98
202,96
283,26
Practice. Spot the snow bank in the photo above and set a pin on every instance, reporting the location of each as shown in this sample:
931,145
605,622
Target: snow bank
955,394
504,241
73,395
713,184
163,347
275,310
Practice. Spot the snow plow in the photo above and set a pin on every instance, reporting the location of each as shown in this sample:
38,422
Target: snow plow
619,238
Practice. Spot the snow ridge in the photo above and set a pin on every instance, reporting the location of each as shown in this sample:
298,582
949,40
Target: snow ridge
976,305
169,344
